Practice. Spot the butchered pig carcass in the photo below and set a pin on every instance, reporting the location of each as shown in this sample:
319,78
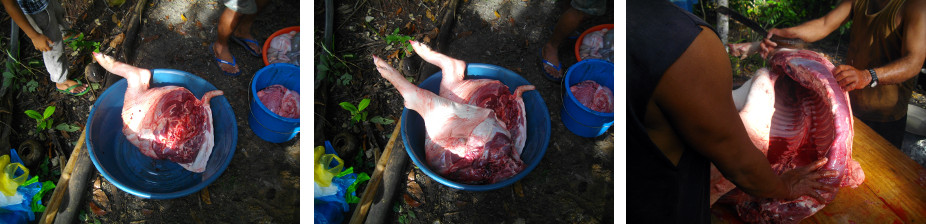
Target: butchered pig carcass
164,122
476,128
794,113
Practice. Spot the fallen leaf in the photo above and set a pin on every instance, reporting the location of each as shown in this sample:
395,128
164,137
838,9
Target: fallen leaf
150,38
511,20
204,194
394,54
398,11
496,15
96,183
96,209
411,176
166,17
199,24
182,17
117,40
411,202
518,189
430,16
464,34
100,198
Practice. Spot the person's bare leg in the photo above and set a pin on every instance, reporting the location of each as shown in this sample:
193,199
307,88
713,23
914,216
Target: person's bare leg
227,22
243,29
566,24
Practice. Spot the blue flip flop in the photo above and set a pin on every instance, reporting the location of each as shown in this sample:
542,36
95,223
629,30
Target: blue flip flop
244,43
233,63
544,70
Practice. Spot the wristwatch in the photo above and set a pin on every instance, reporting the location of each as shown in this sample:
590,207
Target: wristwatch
874,78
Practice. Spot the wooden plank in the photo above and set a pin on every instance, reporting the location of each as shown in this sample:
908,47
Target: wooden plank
894,190
52,209
366,199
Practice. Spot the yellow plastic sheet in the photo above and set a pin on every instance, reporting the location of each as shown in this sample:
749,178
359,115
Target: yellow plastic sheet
8,179
323,172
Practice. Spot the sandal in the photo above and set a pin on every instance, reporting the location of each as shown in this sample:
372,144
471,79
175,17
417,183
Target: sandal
68,90
244,43
233,63
544,62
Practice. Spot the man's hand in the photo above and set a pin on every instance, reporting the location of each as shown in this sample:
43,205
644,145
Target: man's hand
850,78
743,50
767,45
41,42
805,180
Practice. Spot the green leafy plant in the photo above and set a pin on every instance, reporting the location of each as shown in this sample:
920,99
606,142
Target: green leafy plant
15,67
78,44
67,127
381,120
356,112
43,121
395,37
328,63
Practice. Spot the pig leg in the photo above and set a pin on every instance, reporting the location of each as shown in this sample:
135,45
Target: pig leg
138,78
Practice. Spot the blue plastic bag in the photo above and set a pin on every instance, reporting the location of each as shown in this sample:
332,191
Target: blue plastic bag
331,206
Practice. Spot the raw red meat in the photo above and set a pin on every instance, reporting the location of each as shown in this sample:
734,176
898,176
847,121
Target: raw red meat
795,114
165,122
594,96
469,132
280,100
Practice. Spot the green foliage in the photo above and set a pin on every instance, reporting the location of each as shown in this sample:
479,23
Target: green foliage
771,13
395,37
78,44
15,67
43,121
31,85
356,112
337,67
67,127
381,120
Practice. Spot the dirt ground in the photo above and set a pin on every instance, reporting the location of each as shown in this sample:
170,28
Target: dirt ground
261,185
574,181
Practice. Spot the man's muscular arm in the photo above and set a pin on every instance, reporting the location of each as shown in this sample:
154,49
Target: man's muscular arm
904,68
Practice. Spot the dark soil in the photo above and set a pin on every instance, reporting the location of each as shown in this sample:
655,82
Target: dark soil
261,185
573,183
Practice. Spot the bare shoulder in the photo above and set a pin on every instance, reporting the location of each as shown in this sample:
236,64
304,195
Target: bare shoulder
914,8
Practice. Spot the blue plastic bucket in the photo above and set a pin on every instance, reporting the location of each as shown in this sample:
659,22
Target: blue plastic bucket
578,118
265,124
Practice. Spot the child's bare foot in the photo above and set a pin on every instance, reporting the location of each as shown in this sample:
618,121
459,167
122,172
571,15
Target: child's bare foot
72,87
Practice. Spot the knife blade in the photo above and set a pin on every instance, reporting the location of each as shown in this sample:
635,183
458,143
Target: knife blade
781,41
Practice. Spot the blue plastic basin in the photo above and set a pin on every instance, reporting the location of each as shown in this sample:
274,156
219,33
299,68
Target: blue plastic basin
123,165
578,118
538,126
264,123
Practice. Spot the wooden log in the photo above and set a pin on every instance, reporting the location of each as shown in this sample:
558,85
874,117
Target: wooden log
131,34
366,199
384,195
76,171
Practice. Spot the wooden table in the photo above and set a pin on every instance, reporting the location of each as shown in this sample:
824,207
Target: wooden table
894,190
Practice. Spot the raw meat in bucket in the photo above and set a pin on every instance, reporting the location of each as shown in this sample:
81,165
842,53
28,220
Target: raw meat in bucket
594,96
280,100
284,48
164,122
468,133
795,114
